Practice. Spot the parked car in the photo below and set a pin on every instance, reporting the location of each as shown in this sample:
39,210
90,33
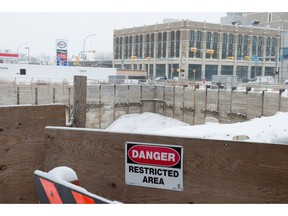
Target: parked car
263,80
161,79
285,84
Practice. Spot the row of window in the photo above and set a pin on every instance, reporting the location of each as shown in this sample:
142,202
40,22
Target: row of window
241,71
147,46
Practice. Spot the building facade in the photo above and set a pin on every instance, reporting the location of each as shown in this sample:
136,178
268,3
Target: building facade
197,50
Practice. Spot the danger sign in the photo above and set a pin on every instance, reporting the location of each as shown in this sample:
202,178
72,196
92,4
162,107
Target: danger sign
154,165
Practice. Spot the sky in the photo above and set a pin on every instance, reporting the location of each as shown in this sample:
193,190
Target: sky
39,31
37,24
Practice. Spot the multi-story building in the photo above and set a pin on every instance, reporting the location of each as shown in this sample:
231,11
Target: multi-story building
276,20
197,50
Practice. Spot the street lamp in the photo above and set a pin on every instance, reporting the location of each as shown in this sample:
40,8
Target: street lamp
28,49
186,52
171,69
82,53
84,46
148,59
282,47
132,61
205,51
18,47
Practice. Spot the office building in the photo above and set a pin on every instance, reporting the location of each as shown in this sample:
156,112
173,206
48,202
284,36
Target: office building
197,50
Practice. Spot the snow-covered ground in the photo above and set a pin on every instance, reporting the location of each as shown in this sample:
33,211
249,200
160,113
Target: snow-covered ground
272,129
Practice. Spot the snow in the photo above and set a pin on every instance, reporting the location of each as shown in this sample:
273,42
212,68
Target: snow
272,129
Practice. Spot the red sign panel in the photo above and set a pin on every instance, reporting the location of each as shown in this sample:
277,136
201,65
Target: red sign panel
154,155
9,55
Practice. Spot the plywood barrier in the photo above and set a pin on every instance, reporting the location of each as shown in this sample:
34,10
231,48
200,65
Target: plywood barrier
22,148
214,171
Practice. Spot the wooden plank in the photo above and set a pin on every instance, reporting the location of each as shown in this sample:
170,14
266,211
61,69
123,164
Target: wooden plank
22,148
79,105
215,171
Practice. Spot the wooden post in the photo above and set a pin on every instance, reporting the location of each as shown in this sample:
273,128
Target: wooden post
79,103
18,96
36,96
54,91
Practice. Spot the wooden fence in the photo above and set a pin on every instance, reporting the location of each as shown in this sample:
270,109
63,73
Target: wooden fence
104,103
22,148
214,171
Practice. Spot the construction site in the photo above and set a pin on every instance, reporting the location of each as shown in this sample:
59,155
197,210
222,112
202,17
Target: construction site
47,125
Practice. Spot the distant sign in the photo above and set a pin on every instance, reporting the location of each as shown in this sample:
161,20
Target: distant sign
61,52
154,165
285,52
9,55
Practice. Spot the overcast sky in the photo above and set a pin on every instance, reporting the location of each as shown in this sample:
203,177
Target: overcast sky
38,24
40,30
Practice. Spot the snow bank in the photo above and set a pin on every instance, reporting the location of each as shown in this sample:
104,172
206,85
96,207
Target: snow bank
272,129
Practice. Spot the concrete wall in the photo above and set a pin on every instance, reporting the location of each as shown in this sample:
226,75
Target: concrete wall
22,148
107,102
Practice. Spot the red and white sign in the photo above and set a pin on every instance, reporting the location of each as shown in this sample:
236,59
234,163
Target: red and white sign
154,165
154,155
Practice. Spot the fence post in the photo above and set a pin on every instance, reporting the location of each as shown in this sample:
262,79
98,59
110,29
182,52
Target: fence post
79,103
18,96
54,91
36,96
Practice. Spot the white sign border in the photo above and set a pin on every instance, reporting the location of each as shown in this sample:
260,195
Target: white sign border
136,182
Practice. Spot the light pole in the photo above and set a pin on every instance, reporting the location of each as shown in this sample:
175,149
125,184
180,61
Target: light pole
18,47
133,58
255,58
148,59
28,49
84,46
82,52
282,48
171,69
205,51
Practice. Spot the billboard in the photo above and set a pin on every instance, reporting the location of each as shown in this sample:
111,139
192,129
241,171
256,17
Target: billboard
61,52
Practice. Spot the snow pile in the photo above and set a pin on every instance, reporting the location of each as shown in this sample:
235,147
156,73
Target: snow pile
145,122
272,129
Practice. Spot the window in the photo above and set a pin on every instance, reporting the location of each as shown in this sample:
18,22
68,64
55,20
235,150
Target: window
159,44
254,44
215,45
164,44
22,71
130,46
208,43
148,45
268,44
126,48
117,48
198,43
245,46
230,45
136,46
152,45
259,50
239,46
224,46
177,43
191,43
172,44
141,46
